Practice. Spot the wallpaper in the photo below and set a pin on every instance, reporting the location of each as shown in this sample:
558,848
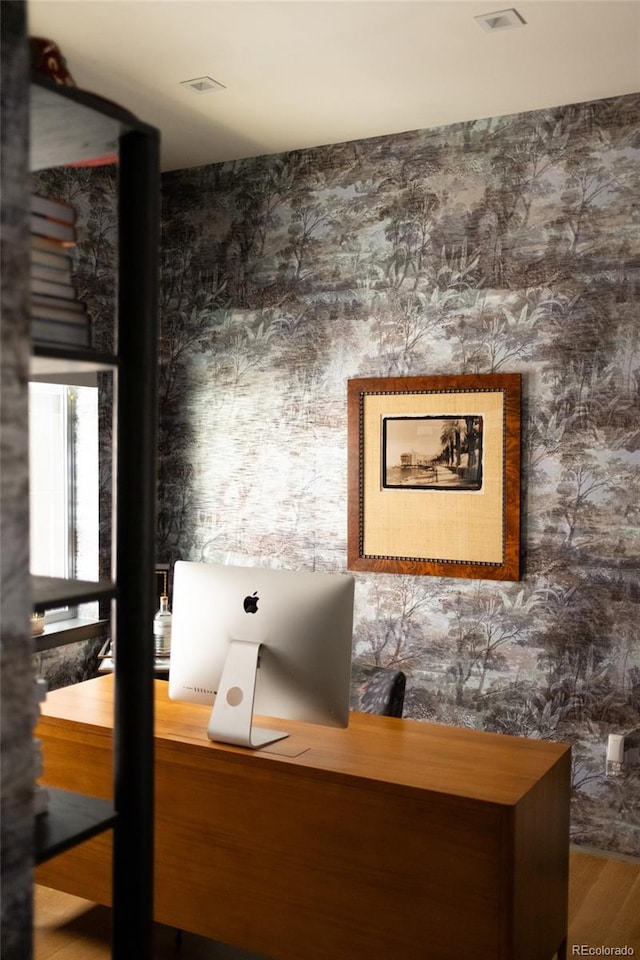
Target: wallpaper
506,245
503,245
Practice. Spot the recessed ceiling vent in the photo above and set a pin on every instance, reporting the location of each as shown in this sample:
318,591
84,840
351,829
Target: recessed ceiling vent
500,20
203,84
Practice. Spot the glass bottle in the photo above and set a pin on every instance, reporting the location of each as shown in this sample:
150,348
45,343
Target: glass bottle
162,629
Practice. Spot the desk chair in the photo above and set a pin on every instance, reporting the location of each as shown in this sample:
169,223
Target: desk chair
383,693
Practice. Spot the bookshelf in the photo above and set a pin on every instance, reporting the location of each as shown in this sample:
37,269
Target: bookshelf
47,360
47,592
71,819
68,126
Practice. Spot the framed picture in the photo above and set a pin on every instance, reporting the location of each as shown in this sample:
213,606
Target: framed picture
434,475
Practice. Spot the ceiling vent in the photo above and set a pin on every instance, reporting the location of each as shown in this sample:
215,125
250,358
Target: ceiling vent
500,20
203,84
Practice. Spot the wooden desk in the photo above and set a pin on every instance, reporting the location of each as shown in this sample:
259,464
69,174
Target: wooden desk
392,838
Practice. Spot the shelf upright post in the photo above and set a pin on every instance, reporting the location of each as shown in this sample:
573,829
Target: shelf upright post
136,412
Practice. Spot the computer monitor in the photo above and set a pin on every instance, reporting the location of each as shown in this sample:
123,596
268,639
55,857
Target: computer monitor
256,638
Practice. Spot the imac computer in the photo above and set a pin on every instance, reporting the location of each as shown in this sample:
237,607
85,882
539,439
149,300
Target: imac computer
258,638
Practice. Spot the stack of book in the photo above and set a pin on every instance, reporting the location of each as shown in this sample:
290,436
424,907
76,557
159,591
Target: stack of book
58,318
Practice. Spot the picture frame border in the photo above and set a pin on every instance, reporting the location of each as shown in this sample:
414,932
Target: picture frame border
510,385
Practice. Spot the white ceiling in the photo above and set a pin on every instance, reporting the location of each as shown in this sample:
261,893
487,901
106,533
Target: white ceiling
302,73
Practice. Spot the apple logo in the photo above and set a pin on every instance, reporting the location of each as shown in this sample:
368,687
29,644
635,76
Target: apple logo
251,603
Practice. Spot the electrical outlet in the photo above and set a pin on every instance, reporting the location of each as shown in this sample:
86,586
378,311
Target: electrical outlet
615,755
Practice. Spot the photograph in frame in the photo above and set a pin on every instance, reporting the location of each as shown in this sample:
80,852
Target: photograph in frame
434,475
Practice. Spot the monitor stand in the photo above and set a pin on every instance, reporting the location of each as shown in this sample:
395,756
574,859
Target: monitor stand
231,719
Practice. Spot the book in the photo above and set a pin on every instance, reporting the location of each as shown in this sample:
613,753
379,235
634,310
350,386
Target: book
56,209
52,260
59,333
54,273
65,291
47,300
51,245
52,308
54,253
45,227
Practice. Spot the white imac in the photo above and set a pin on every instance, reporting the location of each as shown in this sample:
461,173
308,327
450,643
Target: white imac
258,638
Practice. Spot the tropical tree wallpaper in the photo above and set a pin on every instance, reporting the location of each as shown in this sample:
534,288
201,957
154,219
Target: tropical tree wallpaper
509,244
92,192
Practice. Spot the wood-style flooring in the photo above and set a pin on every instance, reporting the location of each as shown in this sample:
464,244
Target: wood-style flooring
604,903
604,911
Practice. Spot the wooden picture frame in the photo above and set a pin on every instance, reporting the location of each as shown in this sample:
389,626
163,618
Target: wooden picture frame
434,475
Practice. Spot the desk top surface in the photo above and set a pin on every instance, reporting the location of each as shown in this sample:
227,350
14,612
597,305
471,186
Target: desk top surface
384,751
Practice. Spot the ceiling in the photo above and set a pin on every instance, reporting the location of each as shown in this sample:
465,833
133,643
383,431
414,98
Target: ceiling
302,73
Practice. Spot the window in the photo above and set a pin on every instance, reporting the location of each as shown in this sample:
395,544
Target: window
63,470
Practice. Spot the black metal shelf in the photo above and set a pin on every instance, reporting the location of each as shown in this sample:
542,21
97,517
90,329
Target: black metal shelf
70,818
57,361
70,125
63,632
47,593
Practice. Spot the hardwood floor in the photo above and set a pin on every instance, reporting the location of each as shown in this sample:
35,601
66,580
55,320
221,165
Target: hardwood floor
604,902
69,928
604,911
